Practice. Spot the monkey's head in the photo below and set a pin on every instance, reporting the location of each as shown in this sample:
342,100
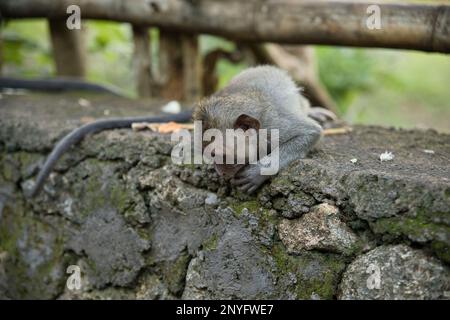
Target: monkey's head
222,112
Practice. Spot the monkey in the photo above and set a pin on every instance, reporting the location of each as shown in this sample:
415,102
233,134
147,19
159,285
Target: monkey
55,85
262,97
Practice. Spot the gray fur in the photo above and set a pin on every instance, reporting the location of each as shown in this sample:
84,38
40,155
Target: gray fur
269,95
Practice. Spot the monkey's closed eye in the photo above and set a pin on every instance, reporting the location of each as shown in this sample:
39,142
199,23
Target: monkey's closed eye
246,122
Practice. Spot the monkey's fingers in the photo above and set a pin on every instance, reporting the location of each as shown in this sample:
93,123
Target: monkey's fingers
246,187
321,113
252,189
239,181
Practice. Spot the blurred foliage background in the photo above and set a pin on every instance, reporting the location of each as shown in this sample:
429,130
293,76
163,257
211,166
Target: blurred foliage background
371,86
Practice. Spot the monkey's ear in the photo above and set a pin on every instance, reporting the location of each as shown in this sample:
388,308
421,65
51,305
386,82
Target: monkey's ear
246,122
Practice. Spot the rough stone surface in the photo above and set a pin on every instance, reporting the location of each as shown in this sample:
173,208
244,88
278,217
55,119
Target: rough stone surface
140,227
321,229
403,273
114,249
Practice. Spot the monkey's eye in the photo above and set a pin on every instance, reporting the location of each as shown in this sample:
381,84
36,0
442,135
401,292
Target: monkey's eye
244,127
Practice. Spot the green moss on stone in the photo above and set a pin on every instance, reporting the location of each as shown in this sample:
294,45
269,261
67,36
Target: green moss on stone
417,229
251,205
175,273
98,190
211,243
283,261
325,280
21,237
325,285
10,169
442,250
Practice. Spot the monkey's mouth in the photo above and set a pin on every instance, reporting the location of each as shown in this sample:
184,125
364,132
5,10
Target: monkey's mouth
227,170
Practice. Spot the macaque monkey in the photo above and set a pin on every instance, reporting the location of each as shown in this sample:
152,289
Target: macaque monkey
263,97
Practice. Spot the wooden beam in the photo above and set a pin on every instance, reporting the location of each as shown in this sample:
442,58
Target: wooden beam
403,25
68,49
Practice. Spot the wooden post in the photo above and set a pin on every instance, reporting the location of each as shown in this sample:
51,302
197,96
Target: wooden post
1,53
68,49
192,68
179,75
142,61
169,78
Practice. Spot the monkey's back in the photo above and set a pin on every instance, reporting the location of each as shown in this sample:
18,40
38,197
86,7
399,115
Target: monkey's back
275,84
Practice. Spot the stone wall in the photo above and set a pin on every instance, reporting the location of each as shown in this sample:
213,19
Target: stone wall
141,227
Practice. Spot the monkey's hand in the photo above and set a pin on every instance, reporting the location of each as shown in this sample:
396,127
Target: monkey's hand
249,178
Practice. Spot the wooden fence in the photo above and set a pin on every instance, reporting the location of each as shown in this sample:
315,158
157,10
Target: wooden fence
406,26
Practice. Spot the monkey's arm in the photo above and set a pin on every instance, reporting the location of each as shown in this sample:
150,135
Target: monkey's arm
250,178
78,134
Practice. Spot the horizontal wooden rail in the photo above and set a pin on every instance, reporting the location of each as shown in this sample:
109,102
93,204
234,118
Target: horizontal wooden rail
406,26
